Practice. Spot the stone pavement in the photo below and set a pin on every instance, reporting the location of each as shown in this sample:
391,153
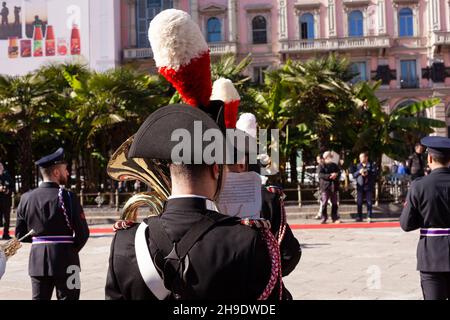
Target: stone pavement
376,263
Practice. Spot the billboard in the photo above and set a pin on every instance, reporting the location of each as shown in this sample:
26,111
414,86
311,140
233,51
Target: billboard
36,32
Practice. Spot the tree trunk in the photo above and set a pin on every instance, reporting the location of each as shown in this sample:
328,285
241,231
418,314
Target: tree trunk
293,163
25,158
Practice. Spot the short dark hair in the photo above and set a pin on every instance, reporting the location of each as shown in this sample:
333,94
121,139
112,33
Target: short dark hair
443,159
46,172
189,171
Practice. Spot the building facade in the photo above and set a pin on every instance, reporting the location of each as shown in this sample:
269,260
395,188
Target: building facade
403,43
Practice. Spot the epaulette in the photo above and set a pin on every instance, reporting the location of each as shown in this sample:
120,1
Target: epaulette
122,225
276,190
256,223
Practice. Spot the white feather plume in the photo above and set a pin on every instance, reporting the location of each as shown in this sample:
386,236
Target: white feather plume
224,90
175,39
247,123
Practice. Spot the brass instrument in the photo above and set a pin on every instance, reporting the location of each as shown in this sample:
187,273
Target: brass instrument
154,173
10,248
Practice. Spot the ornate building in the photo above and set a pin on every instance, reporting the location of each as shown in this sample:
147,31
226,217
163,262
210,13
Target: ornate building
403,43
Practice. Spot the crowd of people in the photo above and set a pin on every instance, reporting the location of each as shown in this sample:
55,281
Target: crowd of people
364,173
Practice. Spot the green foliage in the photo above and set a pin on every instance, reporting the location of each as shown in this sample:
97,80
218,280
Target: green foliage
91,113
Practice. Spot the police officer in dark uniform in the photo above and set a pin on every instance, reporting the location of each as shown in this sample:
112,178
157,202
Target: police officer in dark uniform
60,228
190,251
428,207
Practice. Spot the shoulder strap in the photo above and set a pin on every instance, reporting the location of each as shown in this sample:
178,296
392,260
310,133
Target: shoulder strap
165,245
146,266
172,258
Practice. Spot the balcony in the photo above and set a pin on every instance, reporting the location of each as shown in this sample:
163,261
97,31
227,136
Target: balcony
348,43
137,53
409,83
219,48
442,38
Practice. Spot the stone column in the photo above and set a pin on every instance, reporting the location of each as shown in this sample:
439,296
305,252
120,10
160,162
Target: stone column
331,18
381,15
232,21
282,25
132,35
193,4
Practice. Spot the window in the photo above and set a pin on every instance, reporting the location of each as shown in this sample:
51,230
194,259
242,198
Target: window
408,74
355,24
360,71
307,26
405,23
259,28
146,10
214,30
258,74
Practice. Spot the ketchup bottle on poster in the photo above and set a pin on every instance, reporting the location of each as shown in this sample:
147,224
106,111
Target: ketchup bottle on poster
75,41
38,42
50,45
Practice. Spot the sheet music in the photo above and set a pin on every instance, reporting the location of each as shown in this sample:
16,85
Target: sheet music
241,195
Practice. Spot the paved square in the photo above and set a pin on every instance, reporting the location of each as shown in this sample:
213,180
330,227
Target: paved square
376,263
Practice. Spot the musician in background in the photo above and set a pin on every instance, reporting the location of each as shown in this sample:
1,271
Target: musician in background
6,188
60,228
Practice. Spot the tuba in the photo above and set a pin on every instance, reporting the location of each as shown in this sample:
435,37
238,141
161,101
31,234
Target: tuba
154,173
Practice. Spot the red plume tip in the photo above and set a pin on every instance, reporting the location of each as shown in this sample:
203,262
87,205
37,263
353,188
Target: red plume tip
192,81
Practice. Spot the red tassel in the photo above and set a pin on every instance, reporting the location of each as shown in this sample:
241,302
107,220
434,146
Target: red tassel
231,113
192,81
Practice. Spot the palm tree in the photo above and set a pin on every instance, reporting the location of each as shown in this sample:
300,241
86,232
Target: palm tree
111,103
318,91
24,102
389,133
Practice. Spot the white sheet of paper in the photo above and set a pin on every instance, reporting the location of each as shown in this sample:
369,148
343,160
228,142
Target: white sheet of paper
241,195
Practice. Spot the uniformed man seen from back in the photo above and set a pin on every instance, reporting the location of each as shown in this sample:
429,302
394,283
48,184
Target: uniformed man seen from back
428,207
60,228
190,251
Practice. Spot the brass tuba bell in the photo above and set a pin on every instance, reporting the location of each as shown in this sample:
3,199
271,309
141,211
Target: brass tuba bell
154,173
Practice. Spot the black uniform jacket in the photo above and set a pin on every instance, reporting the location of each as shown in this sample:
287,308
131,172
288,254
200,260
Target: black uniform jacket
231,261
428,206
39,210
290,247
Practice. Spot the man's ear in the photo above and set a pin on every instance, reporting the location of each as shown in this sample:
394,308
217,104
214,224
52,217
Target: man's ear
430,158
215,171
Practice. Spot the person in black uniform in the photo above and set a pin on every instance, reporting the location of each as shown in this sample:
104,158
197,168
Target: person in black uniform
6,187
60,228
190,251
428,207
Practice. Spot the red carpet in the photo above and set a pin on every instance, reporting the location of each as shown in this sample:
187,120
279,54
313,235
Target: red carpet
347,225
362,225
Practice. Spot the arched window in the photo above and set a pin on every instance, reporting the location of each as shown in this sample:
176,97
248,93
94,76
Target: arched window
307,26
259,29
214,30
405,23
355,24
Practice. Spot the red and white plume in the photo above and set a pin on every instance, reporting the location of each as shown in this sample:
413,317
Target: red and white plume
182,55
224,90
